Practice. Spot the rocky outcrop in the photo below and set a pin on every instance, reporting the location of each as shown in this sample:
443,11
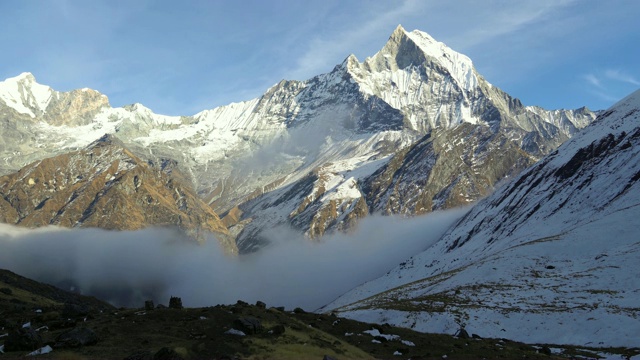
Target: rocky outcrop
446,169
80,336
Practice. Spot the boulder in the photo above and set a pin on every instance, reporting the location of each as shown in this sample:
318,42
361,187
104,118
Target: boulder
148,305
277,330
248,325
22,339
546,350
77,337
261,305
462,334
175,303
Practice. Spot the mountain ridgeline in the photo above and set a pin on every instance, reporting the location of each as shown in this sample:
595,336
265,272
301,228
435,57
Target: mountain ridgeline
410,130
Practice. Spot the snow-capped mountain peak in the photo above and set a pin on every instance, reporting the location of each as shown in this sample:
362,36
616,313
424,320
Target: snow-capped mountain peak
25,95
405,49
459,65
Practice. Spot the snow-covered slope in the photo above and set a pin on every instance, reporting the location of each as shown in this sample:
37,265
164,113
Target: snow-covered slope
339,127
550,257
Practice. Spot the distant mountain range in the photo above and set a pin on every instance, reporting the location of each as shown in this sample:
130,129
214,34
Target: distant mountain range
410,130
548,253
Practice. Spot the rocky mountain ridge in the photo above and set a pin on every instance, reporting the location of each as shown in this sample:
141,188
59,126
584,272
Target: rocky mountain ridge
105,185
548,256
301,154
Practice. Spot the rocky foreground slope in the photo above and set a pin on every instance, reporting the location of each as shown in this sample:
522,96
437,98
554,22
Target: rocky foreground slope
410,130
549,257
40,319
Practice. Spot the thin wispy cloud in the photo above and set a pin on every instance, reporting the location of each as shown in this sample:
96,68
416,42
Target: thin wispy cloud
593,80
621,76
324,52
489,24
604,96
610,85
180,59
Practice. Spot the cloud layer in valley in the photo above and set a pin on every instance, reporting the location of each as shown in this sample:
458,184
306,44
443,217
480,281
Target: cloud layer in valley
127,267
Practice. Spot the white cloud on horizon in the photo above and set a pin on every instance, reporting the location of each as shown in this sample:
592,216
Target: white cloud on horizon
128,267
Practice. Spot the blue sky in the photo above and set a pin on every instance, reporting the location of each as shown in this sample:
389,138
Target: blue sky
179,58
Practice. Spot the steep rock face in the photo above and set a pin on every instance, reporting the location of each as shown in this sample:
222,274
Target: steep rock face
106,186
445,169
546,257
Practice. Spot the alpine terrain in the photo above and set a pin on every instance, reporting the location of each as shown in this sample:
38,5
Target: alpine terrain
410,130
550,257
104,185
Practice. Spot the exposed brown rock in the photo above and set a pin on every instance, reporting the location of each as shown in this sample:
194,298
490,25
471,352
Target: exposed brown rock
77,107
105,186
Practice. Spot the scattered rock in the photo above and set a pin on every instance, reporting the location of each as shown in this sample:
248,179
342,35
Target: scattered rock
148,305
277,330
23,339
261,305
235,332
77,337
249,325
462,334
175,303
167,354
546,350
43,350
